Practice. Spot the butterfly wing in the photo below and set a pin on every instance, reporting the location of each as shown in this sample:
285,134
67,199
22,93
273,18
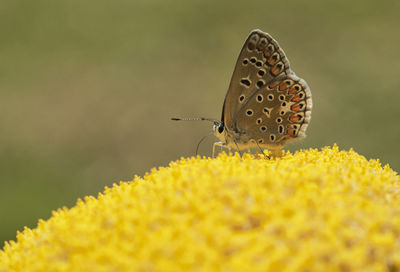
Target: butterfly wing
260,61
277,113
266,101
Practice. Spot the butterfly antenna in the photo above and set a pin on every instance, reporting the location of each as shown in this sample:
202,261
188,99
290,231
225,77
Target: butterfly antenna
194,119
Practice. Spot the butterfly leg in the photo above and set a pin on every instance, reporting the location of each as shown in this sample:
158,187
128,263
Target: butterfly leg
217,144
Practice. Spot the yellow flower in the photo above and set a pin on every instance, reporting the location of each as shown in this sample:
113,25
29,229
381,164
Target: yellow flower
326,210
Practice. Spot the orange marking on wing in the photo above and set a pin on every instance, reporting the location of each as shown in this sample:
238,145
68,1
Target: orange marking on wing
275,71
273,84
282,86
292,90
267,53
291,132
295,107
294,118
271,61
296,98
261,46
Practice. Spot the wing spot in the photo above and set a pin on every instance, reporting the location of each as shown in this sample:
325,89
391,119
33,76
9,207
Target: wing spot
273,59
288,82
260,141
263,128
258,63
279,120
262,44
260,98
241,98
283,104
294,89
280,128
277,69
245,82
268,51
253,60
270,97
251,46
281,97
259,120
282,113
249,112
260,83
261,73
272,137
245,61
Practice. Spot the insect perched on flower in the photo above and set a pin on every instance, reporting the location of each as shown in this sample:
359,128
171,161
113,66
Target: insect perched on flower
267,105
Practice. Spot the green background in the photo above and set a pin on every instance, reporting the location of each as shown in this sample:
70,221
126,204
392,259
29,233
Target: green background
88,87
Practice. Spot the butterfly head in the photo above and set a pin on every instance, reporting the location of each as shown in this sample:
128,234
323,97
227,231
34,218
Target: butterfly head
220,131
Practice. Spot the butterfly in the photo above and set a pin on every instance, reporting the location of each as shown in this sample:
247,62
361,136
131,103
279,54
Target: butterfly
267,105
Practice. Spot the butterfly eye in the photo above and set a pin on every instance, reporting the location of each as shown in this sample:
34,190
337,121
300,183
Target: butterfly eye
220,129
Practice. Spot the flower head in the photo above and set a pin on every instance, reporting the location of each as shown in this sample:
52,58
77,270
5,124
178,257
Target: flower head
326,210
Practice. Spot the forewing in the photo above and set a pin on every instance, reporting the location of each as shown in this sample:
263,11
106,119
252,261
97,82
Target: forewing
260,62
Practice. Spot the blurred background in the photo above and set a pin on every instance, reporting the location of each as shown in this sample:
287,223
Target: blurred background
87,87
